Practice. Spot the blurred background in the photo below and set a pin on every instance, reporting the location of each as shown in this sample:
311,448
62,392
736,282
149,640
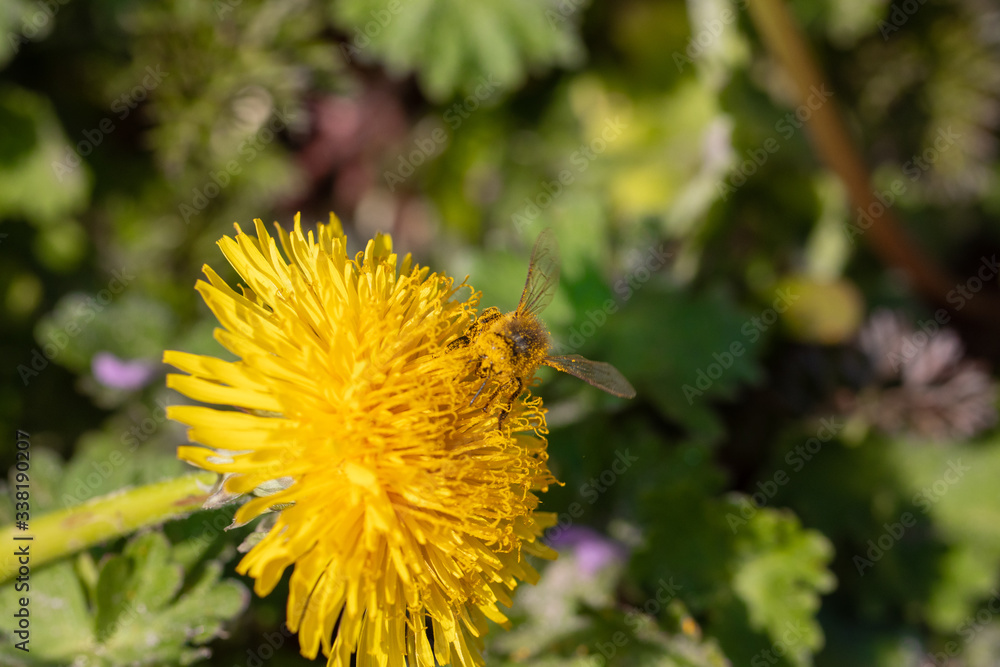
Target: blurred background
808,474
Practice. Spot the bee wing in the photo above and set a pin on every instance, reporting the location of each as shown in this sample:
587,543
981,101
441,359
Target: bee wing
543,275
601,375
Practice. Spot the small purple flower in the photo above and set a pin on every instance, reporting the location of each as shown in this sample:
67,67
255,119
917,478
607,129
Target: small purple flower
593,551
116,373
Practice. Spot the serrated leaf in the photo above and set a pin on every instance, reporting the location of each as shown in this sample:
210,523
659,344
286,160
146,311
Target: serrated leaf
61,625
141,578
780,574
111,597
454,46
142,612
751,574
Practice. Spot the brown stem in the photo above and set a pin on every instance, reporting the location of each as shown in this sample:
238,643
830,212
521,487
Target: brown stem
833,143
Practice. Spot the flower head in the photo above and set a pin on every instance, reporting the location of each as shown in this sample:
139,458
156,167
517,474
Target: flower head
401,507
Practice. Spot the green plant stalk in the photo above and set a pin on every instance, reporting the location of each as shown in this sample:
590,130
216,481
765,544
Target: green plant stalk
62,533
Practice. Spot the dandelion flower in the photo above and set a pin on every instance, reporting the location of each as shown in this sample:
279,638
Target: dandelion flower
406,513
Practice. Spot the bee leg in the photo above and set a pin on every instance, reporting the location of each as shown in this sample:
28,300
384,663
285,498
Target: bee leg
471,367
493,395
460,342
505,411
481,323
479,391
487,317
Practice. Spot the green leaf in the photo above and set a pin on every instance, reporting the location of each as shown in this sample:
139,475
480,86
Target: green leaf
683,352
954,486
129,325
111,599
20,136
140,577
755,573
780,573
195,616
456,46
30,184
105,462
61,625
574,612
23,23
141,612
45,474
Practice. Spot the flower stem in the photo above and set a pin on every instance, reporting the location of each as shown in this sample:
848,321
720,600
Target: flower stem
59,534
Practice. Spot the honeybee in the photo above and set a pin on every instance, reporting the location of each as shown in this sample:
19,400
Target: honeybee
509,347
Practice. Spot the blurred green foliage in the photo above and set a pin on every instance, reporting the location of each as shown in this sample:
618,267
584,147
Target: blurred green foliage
130,610
706,253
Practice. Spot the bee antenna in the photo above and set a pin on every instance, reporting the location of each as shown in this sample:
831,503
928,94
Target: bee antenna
481,387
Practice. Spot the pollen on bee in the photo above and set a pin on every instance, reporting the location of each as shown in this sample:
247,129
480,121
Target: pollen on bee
509,347
529,341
